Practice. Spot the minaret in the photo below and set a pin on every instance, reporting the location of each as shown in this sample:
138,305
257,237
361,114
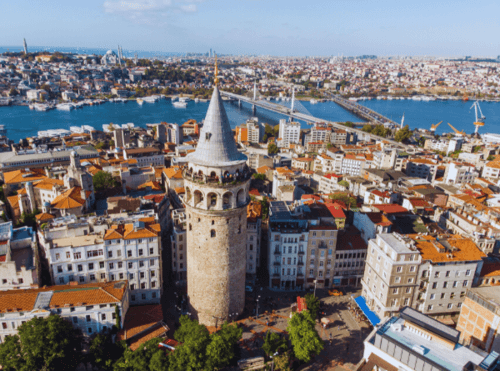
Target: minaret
216,183
25,46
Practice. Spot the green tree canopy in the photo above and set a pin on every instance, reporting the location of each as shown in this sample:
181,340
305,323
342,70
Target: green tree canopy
303,336
273,342
272,149
403,134
259,176
345,198
42,344
104,353
344,183
103,180
312,303
145,358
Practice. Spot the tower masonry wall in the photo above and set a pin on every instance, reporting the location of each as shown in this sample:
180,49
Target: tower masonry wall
216,262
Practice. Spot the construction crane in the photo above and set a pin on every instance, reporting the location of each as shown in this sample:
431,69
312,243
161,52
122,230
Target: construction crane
460,133
479,119
435,126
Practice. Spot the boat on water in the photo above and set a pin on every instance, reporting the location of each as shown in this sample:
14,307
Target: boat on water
41,107
184,99
196,100
151,99
313,101
417,97
140,101
180,104
65,106
389,97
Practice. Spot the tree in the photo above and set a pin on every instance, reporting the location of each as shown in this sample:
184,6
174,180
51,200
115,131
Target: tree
303,336
313,304
190,355
222,347
103,180
142,358
349,201
264,207
42,344
273,342
349,124
490,158
272,149
403,134
344,183
104,353
367,128
282,362
259,176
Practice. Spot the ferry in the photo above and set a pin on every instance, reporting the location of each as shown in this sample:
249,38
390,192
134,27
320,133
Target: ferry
65,106
41,107
180,104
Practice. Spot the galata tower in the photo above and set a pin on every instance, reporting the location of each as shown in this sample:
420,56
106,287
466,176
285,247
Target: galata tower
216,183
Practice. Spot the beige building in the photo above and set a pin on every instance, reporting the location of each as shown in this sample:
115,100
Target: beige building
321,245
178,243
390,277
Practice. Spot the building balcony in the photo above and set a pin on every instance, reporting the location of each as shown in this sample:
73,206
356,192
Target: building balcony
276,274
277,252
277,263
300,263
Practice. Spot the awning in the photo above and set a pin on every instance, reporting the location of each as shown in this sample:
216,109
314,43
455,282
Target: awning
372,317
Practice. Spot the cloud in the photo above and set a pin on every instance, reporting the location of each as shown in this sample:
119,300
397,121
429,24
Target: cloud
146,11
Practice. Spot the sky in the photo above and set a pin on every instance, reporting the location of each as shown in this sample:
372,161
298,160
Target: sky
262,27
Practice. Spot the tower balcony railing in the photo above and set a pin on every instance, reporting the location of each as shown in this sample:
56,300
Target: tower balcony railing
277,263
229,179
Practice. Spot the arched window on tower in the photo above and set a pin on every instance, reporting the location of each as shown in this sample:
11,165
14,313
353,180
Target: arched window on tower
226,200
198,197
239,229
212,233
190,227
212,200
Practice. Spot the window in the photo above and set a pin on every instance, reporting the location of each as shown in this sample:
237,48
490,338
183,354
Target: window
101,265
140,252
153,274
445,284
57,256
89,330
399,269
129,253
80,267
111,265
141,263
75,319
91,266
77,255
153,295
407,301
110,254
87,317
103,276
112,277
143,285
152,250
465,283
467,272
455,283
92,277
103,316
447,274
408,290
120,265
410,280
429,307
212,233
130,265
450,306
94,253
434,285
395,291
143,296
68,255
141,274
433,296
412,268
59,269
131,276
153,284
70,267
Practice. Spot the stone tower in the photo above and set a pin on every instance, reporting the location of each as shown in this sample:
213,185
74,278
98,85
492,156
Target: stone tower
217,182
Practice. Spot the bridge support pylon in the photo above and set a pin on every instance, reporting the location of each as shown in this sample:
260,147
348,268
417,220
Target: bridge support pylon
254,109
239,102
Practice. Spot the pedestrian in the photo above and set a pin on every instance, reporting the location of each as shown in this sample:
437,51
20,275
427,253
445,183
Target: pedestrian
331,338
338,328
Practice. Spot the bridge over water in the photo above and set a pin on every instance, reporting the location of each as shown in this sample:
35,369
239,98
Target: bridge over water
295,114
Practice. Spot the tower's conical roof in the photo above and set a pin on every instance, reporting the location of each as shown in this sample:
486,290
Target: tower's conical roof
216,146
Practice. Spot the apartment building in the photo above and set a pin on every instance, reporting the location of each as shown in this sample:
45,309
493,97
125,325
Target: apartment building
98,249
178,243
303,163
387,159
422,168
413,341
353,165
289,133
254,234
446,146
448,268
457,173
90,307
302,239
19,260
479,320
369,224
491,170
321,245
149,156
318,133
350,256
329,183
391,271
340,137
